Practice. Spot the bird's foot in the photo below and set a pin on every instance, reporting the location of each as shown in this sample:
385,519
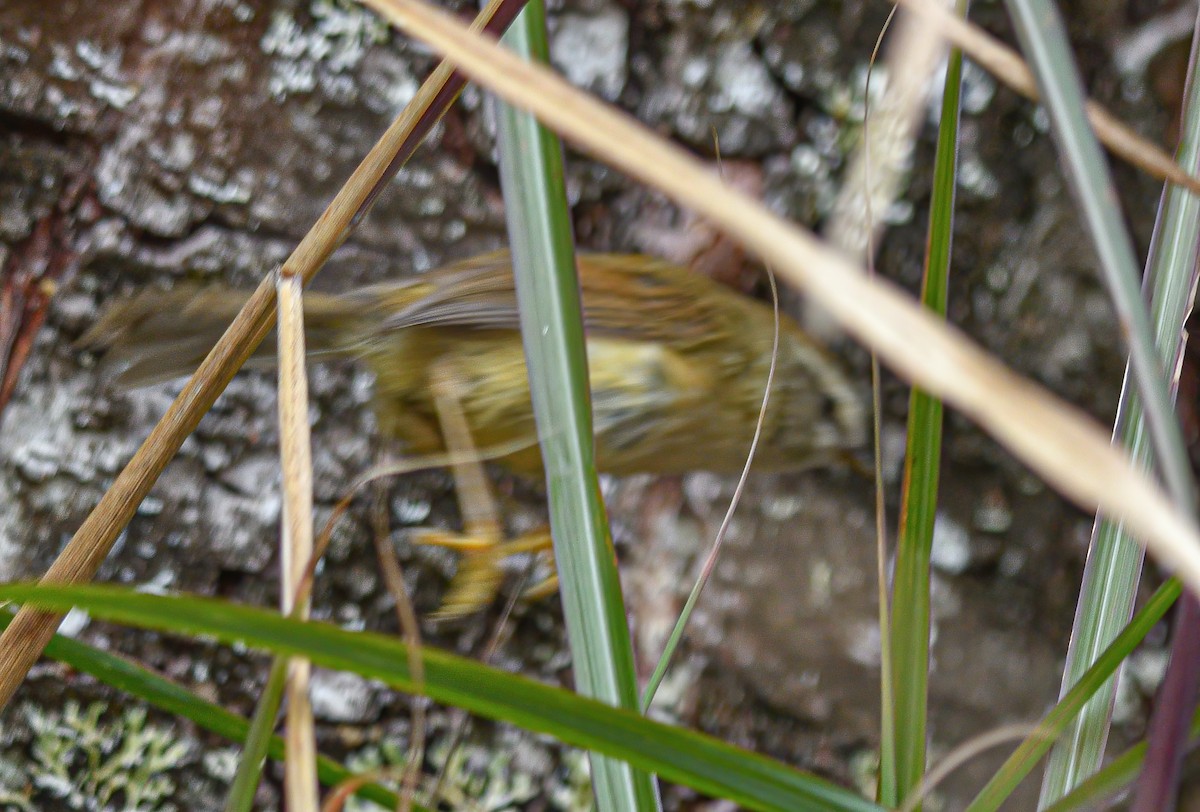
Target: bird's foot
479,572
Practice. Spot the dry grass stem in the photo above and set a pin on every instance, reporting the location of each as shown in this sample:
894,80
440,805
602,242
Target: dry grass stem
962,754
406,616
1006,65
295,451
883,158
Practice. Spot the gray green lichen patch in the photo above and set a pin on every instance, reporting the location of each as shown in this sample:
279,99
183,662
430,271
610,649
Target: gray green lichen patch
87,759
496,776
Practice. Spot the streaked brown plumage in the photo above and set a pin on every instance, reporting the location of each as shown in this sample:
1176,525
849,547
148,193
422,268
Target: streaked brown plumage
677,364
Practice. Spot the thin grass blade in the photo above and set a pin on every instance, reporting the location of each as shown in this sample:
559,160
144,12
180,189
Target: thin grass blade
539,227
258,738
1114,777
1114,560
1026,757
922,465
683,756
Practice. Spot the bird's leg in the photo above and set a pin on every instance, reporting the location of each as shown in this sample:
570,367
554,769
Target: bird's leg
478,578
480,516
482,543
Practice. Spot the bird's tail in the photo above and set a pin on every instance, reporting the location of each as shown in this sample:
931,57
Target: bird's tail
159,335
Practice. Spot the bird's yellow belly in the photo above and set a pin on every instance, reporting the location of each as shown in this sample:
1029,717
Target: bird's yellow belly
649,405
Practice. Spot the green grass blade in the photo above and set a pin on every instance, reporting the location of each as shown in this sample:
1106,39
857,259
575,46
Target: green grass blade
683,756
1114,560
258,740
1116,775
910,598
1026,757
119,673
539,225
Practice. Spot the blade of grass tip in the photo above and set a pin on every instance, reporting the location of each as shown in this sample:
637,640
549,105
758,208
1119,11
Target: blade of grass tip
240,797
1025,758
922,465
901,114
295,449
673,640
1113,566
886,791
877,170
22,642
539,227
683,756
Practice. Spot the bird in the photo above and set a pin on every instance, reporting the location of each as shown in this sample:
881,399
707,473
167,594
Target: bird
677,366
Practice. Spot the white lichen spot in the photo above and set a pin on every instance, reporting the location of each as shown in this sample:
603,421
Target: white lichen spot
782,507
431,206
575,791
951,551
979,88
335,44
228,192
862,644
94,56
222,764
340,696
58,101
159,584
410,510
1041,120
820,584
695,72
104,66
591,50
742,82
807,161
975,177
117,96
454,230
62,65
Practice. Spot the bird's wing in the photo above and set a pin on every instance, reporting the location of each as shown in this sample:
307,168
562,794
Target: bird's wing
636,298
